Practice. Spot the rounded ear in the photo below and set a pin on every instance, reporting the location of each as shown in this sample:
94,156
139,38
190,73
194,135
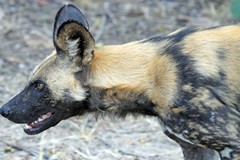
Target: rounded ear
71,36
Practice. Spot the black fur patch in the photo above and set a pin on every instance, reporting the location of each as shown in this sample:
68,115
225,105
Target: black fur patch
173,38
68,13
182,34
199,119
196,120
135,104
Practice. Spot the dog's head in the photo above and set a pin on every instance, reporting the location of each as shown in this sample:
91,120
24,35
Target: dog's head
56,89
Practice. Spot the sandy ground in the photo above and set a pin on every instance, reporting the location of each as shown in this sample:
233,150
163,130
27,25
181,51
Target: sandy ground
26,38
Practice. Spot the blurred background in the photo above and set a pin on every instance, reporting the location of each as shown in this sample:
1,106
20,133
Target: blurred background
26,38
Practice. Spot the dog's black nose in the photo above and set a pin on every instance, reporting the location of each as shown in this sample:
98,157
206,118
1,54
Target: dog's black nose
4,111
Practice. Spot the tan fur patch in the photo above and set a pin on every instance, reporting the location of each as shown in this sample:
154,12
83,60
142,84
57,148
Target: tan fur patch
214,51
45,62
121,65
204,47
138,67
58,74
163,82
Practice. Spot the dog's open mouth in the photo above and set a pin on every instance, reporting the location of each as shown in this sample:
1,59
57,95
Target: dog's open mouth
42,123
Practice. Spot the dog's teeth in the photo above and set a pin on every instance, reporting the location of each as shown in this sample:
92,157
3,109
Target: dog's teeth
27,126
40,119
44,116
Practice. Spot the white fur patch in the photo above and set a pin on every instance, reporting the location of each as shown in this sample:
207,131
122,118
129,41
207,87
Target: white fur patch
79,94
226,153
72,47
180,136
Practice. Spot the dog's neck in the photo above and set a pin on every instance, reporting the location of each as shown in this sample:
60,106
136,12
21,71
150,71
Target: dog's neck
131,74
120,65
121,103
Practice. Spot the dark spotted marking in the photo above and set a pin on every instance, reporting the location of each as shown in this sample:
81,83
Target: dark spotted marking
196,118
221,53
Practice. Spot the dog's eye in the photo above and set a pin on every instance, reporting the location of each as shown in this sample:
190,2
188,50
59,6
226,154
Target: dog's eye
39,85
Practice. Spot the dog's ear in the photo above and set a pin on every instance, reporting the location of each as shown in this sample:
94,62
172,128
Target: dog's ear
71,36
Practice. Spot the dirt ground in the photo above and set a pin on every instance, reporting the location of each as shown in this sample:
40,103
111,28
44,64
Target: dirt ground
26,38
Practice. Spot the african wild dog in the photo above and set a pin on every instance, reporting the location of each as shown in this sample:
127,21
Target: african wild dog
189,79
